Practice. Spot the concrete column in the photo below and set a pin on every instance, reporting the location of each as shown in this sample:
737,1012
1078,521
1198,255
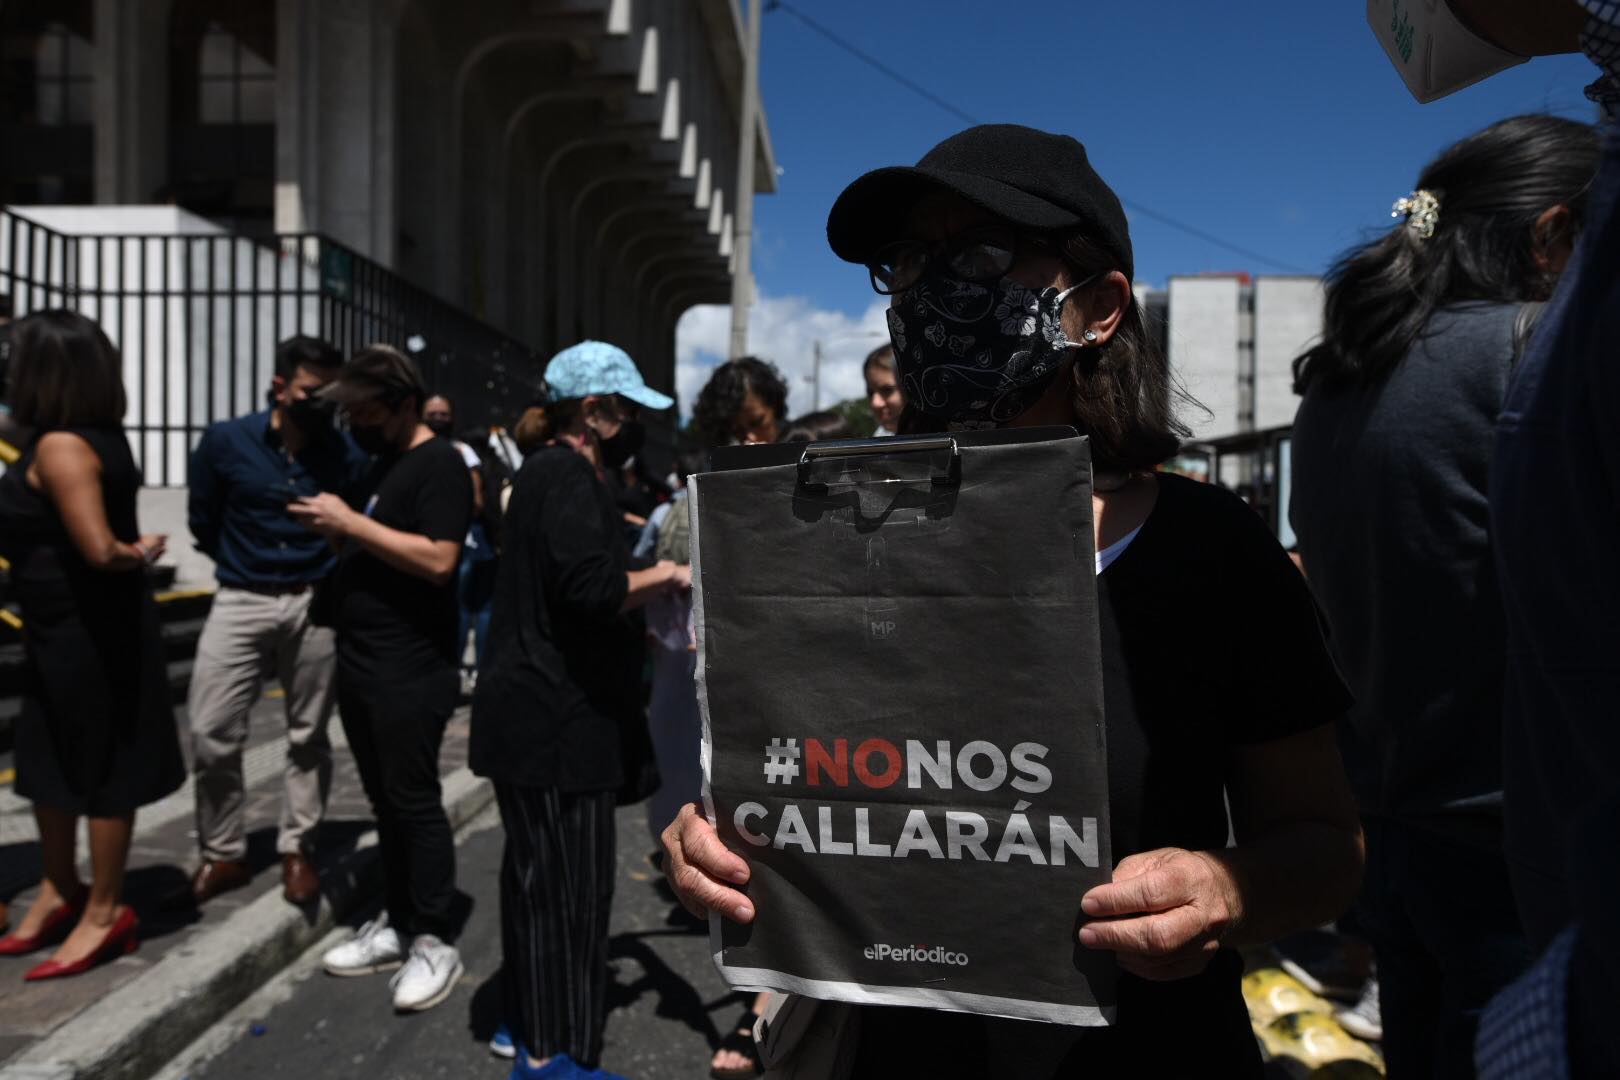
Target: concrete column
347,134
131,99
297,63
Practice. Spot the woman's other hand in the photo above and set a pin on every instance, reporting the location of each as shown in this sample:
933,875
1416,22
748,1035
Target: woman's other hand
152,546
702,870
1164,914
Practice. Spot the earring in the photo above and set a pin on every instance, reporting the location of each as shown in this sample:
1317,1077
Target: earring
1090,336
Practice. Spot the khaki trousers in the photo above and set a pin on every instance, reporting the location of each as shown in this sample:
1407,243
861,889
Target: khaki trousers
246,635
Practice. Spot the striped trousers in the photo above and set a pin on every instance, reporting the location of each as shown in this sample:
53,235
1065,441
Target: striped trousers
556,897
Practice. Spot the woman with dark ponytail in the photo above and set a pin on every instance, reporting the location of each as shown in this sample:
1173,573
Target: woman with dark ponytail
1508,202
1391,455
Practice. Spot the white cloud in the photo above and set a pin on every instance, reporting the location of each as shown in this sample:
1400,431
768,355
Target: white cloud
783,330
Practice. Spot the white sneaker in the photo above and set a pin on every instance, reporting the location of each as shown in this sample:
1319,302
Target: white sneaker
375,947
1364,1019
428,976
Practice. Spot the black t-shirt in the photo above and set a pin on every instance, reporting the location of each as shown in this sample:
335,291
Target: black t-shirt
390,624
561,682
1210,642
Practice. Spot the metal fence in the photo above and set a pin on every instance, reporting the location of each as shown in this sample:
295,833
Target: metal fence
196,317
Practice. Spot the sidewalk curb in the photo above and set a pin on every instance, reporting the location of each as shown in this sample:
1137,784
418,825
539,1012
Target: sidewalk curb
144,1024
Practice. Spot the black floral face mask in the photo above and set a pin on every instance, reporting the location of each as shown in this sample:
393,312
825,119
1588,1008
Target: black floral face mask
978,354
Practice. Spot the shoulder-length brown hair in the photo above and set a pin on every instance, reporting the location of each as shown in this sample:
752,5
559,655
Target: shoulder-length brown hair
64,373
1124,396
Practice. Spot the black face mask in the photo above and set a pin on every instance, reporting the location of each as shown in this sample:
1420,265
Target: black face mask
373,440
439,427
624,445
312,416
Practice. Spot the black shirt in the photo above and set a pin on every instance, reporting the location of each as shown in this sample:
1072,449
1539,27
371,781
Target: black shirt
393,625
1210,642
1391,508
563,670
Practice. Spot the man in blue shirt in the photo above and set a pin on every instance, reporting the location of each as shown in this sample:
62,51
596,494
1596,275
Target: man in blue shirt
243,474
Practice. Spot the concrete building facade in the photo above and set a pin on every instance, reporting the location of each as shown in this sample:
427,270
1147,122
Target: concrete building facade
558,168
1232,339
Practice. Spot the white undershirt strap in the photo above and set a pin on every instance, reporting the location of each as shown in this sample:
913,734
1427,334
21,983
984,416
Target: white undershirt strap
1106,557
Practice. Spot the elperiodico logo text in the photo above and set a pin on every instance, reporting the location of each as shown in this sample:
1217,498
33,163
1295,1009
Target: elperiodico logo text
916,954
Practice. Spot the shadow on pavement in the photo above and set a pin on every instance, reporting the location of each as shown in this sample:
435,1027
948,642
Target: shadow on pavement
150,890
484,1012
461,910
677,999
21,869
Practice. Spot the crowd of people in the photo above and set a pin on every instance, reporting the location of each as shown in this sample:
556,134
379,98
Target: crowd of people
371,559
1427,760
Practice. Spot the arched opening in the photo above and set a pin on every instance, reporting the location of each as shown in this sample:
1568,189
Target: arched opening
47,122
222,103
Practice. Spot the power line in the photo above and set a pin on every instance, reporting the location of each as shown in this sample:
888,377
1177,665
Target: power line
868,58
961,114
1210,238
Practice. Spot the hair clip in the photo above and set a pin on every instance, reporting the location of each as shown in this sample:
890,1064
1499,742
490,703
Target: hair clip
1422,212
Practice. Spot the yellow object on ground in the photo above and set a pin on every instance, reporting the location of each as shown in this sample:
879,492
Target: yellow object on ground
1272,993
1314,1041
1296,1028
181,594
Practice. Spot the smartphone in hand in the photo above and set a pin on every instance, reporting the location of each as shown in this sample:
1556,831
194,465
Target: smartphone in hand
287,491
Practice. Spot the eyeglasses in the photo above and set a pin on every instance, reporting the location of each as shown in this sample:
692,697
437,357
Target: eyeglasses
978,255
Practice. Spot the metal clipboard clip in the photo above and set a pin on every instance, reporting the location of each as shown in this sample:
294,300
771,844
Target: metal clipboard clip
951,477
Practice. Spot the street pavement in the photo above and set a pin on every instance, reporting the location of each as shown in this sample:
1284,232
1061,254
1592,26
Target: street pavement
666,1003
163,855
667,1007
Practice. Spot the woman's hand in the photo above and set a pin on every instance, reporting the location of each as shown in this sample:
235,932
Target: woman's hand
325,513
151,546
680,577
702,870
1165,913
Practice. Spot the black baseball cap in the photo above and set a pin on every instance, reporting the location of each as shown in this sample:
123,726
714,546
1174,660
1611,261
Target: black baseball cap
376,372
1030,178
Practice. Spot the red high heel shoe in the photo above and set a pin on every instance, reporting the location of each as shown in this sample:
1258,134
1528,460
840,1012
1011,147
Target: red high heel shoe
121,940
55,928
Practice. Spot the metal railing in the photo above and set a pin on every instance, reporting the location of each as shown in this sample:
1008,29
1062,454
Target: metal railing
196,317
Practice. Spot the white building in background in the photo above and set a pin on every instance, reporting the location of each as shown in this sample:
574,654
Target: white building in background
1231,340
1287,321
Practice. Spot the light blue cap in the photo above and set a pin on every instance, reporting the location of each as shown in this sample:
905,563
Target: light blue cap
595,367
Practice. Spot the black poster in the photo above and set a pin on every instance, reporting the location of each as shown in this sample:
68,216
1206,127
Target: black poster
901,691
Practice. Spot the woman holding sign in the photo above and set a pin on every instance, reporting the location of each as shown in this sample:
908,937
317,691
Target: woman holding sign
1017,220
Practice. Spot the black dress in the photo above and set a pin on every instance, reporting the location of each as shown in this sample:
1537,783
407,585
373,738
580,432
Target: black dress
97,735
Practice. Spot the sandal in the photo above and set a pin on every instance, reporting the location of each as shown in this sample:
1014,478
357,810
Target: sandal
740,1041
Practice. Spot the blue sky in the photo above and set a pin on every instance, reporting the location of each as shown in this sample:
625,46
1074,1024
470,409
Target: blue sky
1279,126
